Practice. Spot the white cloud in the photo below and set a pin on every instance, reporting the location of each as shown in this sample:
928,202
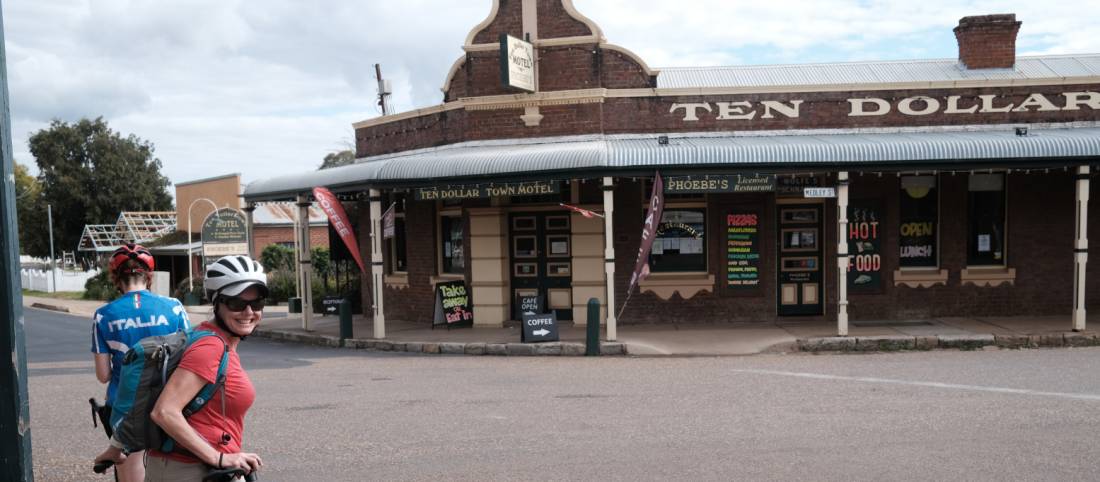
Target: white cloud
269,87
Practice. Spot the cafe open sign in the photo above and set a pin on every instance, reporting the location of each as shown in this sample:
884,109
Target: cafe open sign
224,232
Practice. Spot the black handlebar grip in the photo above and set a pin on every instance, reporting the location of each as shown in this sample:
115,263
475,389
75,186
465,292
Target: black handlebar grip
101,467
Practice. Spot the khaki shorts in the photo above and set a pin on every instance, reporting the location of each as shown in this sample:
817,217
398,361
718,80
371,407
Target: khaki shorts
159,469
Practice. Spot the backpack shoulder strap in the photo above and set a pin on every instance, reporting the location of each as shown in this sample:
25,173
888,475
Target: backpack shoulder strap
207,391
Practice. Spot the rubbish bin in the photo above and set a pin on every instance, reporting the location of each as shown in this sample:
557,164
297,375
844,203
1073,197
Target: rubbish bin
191,299
294,305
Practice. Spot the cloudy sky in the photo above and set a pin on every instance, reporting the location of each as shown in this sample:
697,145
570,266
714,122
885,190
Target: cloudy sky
268,87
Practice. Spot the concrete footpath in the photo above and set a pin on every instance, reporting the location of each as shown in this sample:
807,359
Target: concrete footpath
713,339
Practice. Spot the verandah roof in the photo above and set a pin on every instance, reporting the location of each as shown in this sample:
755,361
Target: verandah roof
589,156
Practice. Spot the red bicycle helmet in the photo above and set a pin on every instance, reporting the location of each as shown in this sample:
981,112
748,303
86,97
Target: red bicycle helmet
132,251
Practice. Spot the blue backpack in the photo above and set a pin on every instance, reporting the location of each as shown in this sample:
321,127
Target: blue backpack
146,369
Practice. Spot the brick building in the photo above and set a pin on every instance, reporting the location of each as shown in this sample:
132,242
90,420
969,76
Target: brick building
867,191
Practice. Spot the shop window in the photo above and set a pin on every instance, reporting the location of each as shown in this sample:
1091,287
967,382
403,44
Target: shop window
918,238
680,245
398,245
986,220
453,252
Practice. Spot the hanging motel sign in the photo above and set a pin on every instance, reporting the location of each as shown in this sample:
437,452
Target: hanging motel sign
517,63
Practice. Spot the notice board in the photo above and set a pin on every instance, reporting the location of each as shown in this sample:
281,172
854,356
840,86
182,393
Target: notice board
742,250
452,305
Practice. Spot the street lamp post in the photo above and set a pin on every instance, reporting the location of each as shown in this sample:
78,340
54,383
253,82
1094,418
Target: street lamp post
191,262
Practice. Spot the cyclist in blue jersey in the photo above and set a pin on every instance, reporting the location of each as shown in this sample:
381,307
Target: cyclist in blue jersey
121,323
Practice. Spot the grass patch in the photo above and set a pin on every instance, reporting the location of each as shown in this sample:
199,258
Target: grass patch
60,295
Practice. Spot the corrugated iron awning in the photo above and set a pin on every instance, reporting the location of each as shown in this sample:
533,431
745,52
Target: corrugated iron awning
590,156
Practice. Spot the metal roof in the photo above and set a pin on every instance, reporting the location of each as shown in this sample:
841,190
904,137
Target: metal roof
285,214
778,150
879,72
131,227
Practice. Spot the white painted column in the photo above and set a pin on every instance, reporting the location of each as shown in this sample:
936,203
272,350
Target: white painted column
304,262
609,255
842,253
1081,248
378,313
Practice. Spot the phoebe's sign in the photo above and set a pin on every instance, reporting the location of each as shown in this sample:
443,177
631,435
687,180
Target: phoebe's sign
517,63
720,184
915,106
474,191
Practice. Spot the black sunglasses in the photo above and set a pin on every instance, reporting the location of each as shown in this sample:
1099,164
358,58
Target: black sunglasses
239,304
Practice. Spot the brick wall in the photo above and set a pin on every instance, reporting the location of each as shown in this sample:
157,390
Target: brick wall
263,236
416,302
987,41
638,115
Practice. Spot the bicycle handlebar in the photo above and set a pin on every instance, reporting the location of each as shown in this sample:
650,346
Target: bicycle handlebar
223,475
101,467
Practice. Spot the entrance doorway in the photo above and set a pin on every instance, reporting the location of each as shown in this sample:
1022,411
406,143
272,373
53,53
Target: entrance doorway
541,261
800,259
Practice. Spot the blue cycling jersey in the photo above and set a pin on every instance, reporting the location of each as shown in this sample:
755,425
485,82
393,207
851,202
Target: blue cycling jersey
122,323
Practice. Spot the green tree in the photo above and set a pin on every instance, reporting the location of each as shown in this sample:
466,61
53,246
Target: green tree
337,159
31,212
90,173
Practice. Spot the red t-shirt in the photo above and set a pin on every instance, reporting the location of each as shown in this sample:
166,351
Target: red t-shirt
202,359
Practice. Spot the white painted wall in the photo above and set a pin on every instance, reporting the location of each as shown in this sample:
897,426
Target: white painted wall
39,280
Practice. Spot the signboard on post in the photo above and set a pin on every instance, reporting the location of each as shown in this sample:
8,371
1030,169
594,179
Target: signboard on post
517,63
452,305
819,192
539,328
224,232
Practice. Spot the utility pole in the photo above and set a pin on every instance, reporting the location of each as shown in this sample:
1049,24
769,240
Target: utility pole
15,421
384,90
53,264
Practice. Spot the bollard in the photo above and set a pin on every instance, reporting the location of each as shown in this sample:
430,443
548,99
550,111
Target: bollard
593,328
345,319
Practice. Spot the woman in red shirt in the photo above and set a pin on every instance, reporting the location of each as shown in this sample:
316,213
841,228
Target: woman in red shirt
212,436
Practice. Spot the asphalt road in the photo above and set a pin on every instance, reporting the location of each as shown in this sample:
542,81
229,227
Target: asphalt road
328,414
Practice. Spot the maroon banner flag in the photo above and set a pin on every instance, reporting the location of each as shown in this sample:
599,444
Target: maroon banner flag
339,220
649,232
389,222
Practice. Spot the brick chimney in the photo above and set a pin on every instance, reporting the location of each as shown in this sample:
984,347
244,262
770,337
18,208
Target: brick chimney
988,41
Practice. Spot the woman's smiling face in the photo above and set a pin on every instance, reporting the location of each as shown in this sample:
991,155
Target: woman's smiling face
243,322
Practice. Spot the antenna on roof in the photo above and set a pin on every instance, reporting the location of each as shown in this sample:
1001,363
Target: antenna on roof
384,90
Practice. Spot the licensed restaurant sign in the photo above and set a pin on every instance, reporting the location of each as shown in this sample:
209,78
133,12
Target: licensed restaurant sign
735,183
486,190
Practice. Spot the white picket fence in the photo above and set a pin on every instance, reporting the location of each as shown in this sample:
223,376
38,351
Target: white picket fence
42,280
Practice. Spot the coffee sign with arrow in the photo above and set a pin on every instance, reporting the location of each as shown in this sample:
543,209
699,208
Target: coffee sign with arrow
539,328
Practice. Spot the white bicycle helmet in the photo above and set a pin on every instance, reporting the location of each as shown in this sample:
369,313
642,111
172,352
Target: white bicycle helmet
231,275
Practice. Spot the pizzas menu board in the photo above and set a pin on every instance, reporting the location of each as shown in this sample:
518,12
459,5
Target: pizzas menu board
864,247
742,250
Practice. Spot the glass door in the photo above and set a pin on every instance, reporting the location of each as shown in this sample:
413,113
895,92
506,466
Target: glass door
800,259
541,261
